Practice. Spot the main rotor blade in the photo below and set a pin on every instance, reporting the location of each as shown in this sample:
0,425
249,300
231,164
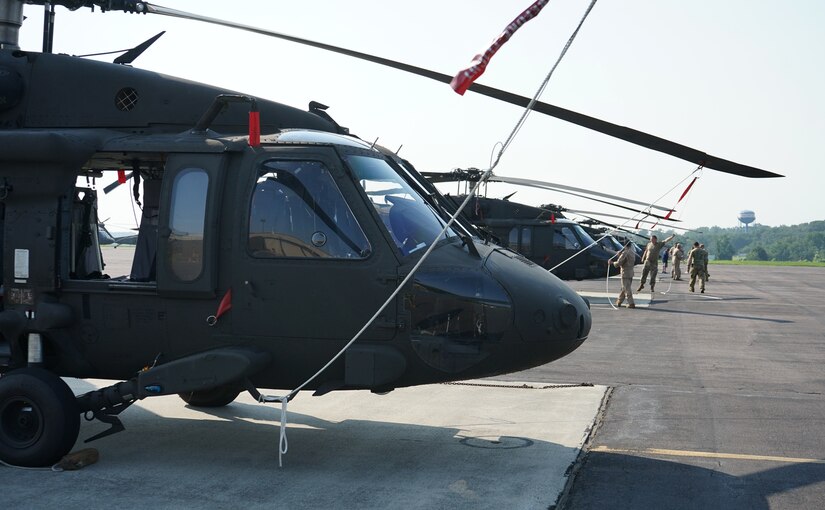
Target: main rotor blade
558,187
474,174
623,133
594,213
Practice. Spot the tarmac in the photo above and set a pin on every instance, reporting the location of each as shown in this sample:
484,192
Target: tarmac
456,446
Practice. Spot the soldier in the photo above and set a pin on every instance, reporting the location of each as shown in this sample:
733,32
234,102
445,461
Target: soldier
625,262
697,264
677,254
650,261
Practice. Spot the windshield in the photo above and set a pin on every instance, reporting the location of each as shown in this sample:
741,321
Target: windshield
584,236
412,223
616,244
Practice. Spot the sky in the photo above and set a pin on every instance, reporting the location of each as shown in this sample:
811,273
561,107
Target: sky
738,79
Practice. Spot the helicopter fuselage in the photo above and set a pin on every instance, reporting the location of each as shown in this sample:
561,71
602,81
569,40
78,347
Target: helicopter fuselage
302,235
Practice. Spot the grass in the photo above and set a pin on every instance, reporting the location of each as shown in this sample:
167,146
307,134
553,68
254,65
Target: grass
804,263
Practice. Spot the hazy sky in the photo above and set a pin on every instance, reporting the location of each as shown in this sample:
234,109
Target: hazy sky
739,79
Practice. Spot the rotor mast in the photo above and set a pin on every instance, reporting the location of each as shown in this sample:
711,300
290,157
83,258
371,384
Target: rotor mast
11,19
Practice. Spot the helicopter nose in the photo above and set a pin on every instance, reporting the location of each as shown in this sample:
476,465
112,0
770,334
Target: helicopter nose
545,309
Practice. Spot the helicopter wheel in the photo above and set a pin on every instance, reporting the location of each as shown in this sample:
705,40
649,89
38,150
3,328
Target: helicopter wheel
213,397
39,418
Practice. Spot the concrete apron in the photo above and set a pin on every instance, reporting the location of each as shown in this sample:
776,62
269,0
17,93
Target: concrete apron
439,446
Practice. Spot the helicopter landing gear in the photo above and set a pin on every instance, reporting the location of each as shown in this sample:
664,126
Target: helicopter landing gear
39,418
213,397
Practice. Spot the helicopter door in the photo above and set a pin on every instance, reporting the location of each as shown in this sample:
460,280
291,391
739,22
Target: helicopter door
314,264
187,234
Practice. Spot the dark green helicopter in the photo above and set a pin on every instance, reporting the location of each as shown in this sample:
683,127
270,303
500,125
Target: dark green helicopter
544,234
269,235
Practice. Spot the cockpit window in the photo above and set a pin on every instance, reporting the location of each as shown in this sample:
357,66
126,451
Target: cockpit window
411,221
298,211
565,238
584,236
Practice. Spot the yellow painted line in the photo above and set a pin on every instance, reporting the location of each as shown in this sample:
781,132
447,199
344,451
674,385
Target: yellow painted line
707,455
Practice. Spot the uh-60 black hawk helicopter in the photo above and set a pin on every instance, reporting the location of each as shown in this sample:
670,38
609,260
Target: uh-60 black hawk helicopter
543,234
264,246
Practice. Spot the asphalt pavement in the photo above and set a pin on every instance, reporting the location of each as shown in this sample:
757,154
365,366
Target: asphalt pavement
717,398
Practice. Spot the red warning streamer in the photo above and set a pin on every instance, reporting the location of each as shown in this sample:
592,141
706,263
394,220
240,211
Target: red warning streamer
667,216
465,78
225,305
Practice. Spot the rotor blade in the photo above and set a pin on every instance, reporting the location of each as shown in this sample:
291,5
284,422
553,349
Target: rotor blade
108,189
558,187
474,174
623,133
645,213
594,213
615,228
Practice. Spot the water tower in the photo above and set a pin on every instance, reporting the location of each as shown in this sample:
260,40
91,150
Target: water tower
746,218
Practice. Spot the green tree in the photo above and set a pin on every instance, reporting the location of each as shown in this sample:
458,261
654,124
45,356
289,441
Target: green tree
757,253
724,247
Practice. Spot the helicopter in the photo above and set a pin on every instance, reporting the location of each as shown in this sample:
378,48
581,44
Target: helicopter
572,250
541,234
268,236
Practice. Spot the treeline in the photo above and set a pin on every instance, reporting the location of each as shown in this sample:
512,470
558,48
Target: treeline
759,242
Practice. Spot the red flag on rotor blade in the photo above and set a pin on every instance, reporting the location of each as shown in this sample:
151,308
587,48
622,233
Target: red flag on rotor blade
121,176
465,78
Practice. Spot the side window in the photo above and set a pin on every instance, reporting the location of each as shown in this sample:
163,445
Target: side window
526,241
186,221
297,210
513,239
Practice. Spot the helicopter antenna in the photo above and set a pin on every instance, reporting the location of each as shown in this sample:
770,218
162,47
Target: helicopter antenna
132,54
129,55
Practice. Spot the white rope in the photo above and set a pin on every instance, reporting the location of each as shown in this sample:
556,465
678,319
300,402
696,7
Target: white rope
283,443
607,279
54,468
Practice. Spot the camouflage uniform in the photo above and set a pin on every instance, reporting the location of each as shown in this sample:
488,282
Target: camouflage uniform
698,265
650,261
677,254
625,262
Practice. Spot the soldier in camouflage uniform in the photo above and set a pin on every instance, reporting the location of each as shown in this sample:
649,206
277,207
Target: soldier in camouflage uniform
697,264
625,262
677,254
650,261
